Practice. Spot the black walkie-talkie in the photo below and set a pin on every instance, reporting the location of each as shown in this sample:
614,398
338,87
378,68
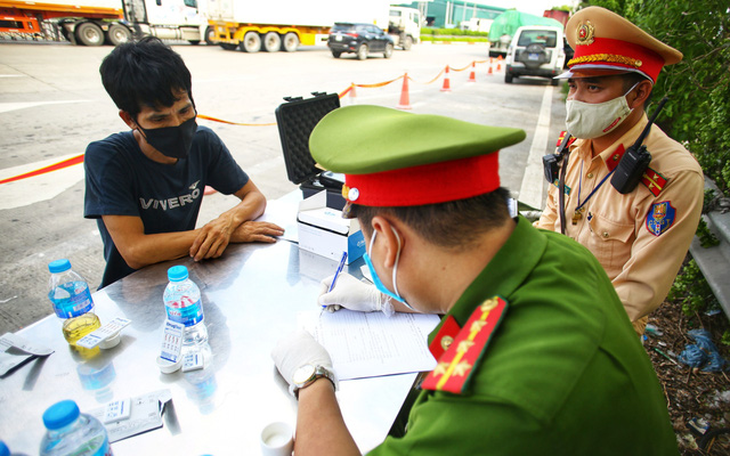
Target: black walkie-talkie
635,160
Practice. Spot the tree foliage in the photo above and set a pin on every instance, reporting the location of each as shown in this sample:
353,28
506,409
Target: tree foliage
698,87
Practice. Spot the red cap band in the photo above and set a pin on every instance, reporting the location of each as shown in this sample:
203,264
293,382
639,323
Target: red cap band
426,184
621,55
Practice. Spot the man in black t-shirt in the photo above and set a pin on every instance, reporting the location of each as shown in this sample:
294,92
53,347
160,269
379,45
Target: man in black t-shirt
145,186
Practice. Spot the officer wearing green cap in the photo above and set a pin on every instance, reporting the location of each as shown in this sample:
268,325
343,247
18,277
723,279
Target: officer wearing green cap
534,351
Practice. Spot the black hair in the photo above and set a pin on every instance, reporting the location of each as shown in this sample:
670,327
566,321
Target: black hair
453,224
145,72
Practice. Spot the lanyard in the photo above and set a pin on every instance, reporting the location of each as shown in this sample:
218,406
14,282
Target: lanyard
580,188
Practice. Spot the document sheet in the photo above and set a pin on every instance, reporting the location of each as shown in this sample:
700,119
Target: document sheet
370,344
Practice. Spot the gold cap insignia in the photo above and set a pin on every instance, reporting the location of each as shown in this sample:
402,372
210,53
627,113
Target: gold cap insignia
585,34
446,342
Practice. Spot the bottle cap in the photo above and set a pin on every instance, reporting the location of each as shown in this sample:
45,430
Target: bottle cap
4,450
61,414
177,273
59,266
111,341
168,367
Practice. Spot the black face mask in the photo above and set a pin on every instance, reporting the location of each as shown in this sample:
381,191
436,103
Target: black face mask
173,142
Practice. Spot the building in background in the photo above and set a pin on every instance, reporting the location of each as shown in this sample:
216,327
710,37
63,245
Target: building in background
452,13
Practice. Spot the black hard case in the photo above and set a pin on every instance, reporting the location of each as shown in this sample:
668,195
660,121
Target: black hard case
295,120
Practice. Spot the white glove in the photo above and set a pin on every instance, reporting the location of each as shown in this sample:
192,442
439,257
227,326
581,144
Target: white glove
353,294
296,350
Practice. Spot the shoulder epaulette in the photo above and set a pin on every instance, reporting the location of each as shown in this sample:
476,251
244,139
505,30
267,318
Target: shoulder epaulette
654,181
571,140
457,364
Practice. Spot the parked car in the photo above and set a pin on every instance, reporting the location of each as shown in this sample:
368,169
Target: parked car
535,50
361,39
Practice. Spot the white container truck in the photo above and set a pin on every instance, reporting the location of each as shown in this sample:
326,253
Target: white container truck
95,22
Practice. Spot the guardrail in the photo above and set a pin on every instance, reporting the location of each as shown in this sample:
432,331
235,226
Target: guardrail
714,262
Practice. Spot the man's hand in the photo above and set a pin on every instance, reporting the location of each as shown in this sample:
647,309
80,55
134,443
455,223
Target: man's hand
257,232
213,238
352,294
296,350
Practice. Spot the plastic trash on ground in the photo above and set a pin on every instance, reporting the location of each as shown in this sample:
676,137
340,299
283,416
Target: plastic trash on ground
702,354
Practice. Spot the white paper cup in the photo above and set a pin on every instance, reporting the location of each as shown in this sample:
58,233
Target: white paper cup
277,440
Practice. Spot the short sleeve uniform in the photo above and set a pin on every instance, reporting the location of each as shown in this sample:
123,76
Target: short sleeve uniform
642,237
563,372
121,180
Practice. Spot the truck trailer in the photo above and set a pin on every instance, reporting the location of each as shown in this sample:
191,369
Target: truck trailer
284,25
95,22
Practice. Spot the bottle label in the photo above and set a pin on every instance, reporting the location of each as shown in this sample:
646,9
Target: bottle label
190,315
71,299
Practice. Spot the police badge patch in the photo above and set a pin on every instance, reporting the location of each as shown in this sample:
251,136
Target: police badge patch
660,218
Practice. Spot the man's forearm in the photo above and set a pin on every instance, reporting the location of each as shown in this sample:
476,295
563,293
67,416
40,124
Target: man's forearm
320,426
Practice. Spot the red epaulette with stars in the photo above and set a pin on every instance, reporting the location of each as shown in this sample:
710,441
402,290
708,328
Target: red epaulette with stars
561,138
456,365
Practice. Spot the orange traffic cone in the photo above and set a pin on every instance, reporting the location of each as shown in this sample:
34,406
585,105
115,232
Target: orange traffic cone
499,63
405,100
472,75
490,72
447,82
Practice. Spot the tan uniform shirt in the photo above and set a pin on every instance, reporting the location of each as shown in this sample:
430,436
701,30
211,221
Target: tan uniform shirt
642,237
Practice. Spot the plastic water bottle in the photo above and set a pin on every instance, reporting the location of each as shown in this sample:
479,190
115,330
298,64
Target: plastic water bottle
70,432
183,305
72,301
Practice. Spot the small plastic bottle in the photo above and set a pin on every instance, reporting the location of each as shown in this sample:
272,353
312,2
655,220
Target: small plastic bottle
183,305
70,432
72,301
4,450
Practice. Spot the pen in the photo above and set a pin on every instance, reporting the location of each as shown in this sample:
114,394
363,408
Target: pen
338,271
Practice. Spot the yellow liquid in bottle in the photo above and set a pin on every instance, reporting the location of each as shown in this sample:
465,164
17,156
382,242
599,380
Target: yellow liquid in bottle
76,328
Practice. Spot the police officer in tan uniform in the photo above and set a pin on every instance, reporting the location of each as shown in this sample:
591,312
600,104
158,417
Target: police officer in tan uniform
640,237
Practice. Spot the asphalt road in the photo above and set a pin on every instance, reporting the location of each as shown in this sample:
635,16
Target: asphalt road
52,104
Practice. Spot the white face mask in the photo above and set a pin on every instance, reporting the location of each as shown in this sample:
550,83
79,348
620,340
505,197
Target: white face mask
593,120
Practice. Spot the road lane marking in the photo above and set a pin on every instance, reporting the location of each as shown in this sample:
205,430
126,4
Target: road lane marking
7,107
532,189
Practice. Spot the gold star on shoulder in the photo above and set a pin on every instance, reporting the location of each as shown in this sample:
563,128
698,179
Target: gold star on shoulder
440,369
462,368
489,304
477,326
464,346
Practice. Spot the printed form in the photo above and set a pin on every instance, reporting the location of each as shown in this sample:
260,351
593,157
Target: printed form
370,344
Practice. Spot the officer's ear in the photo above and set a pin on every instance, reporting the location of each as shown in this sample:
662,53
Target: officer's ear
390,241
640,94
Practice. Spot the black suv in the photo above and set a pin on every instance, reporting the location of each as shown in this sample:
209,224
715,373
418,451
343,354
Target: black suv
361,39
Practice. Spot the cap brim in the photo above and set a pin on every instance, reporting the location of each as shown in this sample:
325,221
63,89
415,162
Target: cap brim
589,73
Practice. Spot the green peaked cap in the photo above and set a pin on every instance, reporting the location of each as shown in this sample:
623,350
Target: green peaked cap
367,139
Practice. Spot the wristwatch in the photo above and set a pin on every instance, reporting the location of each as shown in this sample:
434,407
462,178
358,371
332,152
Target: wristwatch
307,374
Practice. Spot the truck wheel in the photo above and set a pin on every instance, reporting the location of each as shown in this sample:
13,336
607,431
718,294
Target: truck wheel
336,54
228,46
290,43
362,52
272,42
554,82
251,42
388,51
117,34
508,78
407,43
210,35
89,34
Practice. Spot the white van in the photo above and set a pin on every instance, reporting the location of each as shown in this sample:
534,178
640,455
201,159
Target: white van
535,50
